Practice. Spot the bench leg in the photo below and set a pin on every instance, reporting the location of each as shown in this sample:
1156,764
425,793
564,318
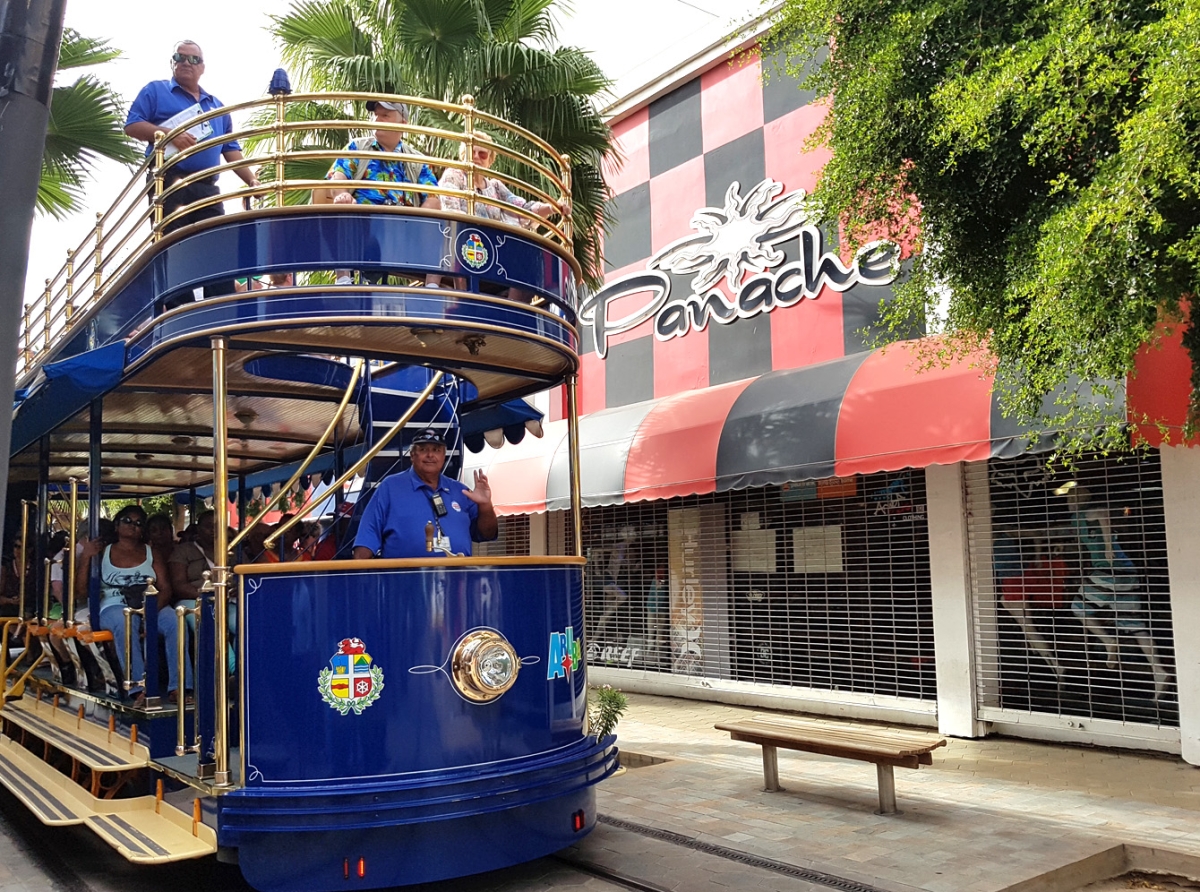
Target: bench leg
887,790
770,769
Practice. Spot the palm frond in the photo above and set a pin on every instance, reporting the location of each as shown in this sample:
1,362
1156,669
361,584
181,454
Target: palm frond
77,51
85,125
502,52
58,196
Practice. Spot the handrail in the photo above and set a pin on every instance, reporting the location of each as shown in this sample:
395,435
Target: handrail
377,564
302,469
357,468
135,222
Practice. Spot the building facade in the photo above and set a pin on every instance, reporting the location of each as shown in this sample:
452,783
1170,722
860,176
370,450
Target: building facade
778,514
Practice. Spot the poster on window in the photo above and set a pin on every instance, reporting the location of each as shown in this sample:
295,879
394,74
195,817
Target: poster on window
686,591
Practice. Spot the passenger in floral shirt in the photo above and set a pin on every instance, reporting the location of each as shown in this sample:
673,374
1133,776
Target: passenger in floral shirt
490,188
379,170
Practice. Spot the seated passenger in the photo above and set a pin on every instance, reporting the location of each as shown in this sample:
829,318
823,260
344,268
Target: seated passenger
188,562
58,557
10,578
420,507
379,170
489,187
308,540
124,566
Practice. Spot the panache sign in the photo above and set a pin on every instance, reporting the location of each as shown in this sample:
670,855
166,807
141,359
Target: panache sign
739,243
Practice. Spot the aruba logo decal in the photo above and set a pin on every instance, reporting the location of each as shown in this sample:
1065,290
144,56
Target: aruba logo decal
475,250
565,654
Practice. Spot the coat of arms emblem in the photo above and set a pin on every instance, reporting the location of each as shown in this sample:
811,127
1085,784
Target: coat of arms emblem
352,681
474,252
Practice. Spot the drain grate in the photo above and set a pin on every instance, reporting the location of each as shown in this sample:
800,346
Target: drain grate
800,873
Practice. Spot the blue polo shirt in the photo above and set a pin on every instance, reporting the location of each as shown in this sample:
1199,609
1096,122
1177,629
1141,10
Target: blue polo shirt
394,520
160,100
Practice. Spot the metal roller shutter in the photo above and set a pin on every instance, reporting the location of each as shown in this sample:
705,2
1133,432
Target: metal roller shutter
1069,578
512,539
820,585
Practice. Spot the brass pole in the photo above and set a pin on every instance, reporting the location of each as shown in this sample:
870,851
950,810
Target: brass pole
46,318
70,284
181,615
98,262
566,178
573,448
205,589
46,592
159,158
24,570
468,103
358,465
221,569
26,343
69,611
320,444
279,152
129,612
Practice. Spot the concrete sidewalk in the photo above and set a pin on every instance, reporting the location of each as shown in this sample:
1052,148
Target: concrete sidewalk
988,815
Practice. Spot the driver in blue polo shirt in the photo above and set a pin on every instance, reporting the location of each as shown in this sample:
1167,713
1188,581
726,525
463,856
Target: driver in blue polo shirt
421,508
162,105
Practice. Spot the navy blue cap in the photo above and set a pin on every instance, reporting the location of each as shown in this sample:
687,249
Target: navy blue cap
429,435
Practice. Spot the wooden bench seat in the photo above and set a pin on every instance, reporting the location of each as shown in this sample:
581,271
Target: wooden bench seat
888,748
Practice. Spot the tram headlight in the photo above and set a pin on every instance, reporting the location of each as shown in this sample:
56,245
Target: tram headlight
484,665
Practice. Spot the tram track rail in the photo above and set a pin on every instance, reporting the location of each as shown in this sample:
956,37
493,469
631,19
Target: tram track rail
803,874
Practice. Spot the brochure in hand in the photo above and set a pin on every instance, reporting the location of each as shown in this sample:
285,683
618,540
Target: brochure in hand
201,131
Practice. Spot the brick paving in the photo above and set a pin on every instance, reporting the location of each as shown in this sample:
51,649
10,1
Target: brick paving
987,815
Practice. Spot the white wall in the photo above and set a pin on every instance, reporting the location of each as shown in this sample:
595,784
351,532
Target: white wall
953,629
1181,502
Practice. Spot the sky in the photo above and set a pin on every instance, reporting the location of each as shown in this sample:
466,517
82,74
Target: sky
632,40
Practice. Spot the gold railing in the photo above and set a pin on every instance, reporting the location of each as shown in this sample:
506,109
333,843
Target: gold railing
136,221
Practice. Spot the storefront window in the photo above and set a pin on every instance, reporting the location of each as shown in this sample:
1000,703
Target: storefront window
1072,596
819,585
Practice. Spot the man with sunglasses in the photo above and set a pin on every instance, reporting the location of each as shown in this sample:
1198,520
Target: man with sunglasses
163,105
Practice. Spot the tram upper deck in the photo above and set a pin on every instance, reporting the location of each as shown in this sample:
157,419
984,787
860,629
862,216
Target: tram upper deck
120,320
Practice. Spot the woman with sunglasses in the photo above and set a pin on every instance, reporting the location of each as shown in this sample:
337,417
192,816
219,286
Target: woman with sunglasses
490,188
124,567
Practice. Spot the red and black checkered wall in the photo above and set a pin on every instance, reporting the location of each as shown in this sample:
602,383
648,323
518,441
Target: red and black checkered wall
681,154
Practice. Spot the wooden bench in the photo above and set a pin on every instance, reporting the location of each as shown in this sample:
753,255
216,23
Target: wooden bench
888,748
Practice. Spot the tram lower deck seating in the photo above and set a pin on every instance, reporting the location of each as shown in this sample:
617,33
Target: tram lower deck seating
888,748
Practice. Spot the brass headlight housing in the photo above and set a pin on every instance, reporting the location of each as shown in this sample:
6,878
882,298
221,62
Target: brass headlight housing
484,665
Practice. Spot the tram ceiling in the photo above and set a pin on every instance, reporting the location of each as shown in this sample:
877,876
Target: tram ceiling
499,366
74,448
189,370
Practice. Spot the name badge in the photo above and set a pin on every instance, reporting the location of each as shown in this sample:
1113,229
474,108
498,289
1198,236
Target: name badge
441,542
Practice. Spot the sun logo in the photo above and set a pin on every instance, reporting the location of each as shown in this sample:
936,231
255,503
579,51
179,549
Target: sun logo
737,239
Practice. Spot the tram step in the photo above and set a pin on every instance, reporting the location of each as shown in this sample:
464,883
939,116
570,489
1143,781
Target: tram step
142,830
84,741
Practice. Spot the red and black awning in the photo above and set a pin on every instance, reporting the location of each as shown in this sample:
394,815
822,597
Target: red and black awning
869,412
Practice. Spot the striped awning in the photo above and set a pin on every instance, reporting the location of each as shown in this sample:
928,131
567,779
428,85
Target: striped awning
869,412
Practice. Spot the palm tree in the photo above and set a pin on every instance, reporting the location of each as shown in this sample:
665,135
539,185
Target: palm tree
86,124
502,52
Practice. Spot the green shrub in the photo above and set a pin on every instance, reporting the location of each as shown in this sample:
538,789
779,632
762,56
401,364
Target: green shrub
605,709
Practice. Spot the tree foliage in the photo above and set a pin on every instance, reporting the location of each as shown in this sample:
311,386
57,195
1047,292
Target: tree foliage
502,52
1051,147
86,124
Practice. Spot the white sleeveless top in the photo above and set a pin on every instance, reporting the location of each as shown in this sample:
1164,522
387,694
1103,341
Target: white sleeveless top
113,578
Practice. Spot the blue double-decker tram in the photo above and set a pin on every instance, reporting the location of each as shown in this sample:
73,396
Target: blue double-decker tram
354,723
